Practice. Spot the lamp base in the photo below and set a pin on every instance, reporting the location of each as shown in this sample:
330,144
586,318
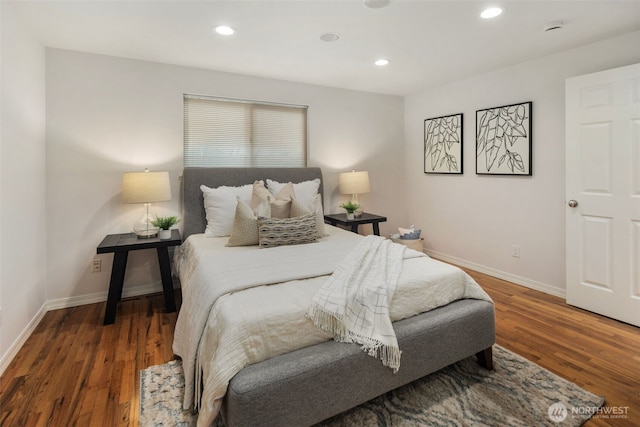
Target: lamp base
358,212
146,234
144,229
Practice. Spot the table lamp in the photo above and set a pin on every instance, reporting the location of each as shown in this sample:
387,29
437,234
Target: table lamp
355,183
145,187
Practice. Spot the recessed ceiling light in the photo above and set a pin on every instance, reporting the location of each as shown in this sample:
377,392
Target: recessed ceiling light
329,37
381,62
376,4
491,12
225,30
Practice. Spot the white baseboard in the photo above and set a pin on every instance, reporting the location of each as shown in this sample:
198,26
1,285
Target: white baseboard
22,338
59,303
528,283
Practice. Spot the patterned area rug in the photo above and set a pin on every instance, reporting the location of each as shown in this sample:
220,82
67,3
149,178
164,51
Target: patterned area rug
516,393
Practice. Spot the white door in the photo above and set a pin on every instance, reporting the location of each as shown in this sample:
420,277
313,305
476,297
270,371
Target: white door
603,192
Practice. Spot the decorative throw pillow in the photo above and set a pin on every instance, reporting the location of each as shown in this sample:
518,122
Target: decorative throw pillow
287,192
245,227
280,203
281,208
245,224
315,208
259,194
304,191
274,232
220,206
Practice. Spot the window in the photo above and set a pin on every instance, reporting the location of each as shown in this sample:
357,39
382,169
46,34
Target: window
222,132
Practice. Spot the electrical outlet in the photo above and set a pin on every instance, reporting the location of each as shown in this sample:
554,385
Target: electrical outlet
96,265
515,251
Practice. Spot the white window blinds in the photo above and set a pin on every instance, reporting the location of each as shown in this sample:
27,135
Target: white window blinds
234,133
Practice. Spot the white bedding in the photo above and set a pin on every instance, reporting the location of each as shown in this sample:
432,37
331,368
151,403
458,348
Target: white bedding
230,330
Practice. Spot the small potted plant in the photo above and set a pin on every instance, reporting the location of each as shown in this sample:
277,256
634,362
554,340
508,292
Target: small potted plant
351,208
164,223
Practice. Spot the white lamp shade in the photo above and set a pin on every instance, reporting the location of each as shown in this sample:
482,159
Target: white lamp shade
354,182
145,187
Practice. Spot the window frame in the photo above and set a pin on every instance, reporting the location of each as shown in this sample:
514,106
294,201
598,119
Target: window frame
246,131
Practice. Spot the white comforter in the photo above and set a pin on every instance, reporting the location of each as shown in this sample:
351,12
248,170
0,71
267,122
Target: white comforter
220,330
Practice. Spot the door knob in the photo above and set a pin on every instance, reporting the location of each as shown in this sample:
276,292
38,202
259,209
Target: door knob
573,203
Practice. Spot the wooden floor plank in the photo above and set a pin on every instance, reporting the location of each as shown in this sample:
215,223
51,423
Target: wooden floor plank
75,371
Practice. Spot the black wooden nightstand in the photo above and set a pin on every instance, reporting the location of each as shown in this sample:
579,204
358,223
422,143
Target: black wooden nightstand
365,218
120,245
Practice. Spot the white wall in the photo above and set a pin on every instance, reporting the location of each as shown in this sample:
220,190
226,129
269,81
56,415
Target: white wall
23,217
109,115
474,220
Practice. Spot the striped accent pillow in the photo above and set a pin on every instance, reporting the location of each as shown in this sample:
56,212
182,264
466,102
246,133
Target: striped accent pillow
274,232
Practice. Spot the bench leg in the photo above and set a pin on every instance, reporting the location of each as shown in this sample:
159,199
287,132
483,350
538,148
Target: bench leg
485,358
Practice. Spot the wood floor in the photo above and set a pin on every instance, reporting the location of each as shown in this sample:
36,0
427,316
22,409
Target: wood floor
73,371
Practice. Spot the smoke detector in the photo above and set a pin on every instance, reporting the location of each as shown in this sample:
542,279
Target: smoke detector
330,37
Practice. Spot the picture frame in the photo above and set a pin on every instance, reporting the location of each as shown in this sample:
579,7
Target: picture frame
504,140
443,143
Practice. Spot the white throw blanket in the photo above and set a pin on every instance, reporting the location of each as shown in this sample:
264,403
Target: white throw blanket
353,304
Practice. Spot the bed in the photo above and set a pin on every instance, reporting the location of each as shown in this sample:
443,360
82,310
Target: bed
301,381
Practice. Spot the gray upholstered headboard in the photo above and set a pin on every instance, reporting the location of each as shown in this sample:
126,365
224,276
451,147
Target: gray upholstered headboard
193,215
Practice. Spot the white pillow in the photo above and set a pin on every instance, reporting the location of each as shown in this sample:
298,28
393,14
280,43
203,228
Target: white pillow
304,191
220,207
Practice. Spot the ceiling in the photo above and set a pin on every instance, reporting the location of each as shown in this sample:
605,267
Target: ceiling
428,43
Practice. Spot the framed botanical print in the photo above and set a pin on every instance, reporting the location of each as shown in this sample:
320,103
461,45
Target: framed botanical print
503,140
443,144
